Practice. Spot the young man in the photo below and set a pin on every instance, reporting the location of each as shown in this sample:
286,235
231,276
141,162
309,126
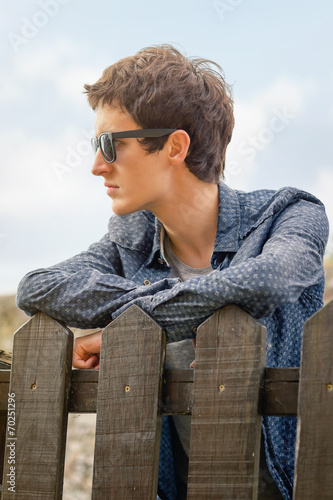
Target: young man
181,244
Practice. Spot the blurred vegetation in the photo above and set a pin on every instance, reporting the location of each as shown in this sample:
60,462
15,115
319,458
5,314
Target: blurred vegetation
329,279
11,318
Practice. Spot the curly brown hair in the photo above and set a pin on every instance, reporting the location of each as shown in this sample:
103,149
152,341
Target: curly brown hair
161,88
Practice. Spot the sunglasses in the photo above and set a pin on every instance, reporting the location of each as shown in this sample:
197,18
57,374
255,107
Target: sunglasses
106,140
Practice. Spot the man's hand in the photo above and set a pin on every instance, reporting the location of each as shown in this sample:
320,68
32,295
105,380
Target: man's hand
87,350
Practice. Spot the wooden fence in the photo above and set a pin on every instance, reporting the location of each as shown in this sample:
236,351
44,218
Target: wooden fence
227,393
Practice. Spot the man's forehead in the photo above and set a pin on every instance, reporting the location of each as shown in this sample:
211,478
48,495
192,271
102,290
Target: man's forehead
112,119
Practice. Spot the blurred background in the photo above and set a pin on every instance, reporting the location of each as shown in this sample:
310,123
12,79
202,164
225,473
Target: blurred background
277,56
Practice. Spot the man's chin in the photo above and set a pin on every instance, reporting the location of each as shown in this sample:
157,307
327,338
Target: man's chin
121,210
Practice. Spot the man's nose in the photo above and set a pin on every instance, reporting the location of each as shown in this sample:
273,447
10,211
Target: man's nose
100,167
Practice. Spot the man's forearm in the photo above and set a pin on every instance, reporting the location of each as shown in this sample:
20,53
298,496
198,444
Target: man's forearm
85,299
290,262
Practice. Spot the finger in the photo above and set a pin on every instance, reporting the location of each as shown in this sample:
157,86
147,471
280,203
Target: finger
89,363
92,362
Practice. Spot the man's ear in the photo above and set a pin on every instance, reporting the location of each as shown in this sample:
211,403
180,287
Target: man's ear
178,145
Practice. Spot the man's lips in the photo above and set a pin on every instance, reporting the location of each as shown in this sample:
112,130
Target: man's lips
111,188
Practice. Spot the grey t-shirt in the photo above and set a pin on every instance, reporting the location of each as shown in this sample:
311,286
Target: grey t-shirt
179,355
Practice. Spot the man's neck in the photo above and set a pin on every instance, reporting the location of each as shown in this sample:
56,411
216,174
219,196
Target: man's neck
191,220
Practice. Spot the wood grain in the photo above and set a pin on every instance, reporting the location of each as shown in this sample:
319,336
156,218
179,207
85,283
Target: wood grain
227,394
314,446
83,391
225,429
128,423
278,394
40,380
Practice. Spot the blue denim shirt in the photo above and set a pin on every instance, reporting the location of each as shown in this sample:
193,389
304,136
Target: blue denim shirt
267,258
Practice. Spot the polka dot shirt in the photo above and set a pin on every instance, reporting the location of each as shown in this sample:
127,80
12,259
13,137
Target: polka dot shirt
267,259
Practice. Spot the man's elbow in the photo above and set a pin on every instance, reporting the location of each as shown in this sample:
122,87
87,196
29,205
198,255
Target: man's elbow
26,295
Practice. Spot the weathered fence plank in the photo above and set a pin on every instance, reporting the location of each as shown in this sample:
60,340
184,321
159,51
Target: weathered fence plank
128,421
314,447
278,395
83,392
226,426
229,393
39,385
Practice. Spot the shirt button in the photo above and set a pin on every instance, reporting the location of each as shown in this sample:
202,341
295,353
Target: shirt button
195,330
160,261
146,282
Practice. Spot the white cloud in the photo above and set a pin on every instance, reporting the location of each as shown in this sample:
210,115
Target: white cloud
47,64
71,81
259,120
31,182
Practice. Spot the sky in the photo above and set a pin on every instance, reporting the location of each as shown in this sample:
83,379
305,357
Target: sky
277,56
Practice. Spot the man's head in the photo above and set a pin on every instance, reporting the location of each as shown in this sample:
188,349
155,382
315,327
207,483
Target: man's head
160,88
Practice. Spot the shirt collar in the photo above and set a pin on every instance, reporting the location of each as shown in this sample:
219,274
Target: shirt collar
156,248
228,226
227,235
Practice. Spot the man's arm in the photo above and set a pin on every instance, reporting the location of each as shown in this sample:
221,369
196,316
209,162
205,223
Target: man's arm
83,291
290,262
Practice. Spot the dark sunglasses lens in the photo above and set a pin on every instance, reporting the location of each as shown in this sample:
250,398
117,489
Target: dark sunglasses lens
107,147
94,144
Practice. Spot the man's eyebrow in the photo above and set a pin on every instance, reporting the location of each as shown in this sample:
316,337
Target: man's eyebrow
108,131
